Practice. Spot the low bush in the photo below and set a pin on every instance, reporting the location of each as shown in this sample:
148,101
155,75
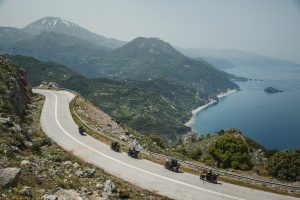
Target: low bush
230,151
285,165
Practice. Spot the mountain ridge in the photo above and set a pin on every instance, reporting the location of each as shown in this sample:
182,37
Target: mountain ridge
150,58
65,49
58,25
236,57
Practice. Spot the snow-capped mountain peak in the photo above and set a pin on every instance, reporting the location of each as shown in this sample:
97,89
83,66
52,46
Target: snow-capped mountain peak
60,26
50,24
53,21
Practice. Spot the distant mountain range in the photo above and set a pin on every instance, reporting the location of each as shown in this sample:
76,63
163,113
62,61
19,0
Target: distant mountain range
74,46
226,58
55,39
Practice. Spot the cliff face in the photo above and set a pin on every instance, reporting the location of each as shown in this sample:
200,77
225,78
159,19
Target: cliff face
15,92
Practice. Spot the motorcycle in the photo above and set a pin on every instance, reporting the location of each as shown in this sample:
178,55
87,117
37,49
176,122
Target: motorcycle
133,152
81,130
172,164
209,176
115,146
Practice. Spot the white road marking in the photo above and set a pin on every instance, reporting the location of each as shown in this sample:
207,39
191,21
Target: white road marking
133,167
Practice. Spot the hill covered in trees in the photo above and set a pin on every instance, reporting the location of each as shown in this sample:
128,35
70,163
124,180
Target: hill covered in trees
154,106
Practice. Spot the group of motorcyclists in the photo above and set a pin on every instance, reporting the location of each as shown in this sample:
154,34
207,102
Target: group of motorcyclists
170,164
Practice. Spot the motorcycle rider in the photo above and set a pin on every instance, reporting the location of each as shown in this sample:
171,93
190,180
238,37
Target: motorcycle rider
174,162
115,145
133,149
81,130
210,173
133,152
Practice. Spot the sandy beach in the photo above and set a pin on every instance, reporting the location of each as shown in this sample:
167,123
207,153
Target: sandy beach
211,102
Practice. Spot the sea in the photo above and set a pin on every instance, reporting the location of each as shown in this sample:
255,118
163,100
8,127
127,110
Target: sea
272,120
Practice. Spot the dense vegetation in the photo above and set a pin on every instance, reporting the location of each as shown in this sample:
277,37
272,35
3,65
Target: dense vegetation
60,48
285,165
152,58
231,151
157,106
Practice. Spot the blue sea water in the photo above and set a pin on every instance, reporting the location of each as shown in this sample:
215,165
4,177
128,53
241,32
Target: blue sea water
271,119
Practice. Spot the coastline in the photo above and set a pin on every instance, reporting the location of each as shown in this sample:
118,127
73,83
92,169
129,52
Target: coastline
211,102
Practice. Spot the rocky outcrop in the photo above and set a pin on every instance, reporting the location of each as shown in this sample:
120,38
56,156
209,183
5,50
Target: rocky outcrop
87,173
9,176
109,188
50,197
67,195
14,88
25,191
49,85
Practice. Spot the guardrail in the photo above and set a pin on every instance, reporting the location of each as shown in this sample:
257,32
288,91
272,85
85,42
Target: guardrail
186,163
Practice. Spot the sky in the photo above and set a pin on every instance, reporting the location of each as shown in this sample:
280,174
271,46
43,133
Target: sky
267,27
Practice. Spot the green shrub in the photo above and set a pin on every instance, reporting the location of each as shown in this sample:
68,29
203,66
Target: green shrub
285,165
271,152
37,144
196,153
158,140
221,132
57,158
231,152
36,148
182,151
10,153
61,185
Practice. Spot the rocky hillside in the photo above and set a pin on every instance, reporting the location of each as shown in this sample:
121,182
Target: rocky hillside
14,89
31,166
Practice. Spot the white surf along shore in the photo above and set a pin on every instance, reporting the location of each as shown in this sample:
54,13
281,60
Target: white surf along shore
211,102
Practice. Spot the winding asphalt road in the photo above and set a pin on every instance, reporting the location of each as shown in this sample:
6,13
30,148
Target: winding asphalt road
58,124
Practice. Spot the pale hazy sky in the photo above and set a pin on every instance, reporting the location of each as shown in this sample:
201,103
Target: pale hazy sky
267,27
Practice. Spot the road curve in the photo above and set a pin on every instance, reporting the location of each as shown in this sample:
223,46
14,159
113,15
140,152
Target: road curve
58,124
